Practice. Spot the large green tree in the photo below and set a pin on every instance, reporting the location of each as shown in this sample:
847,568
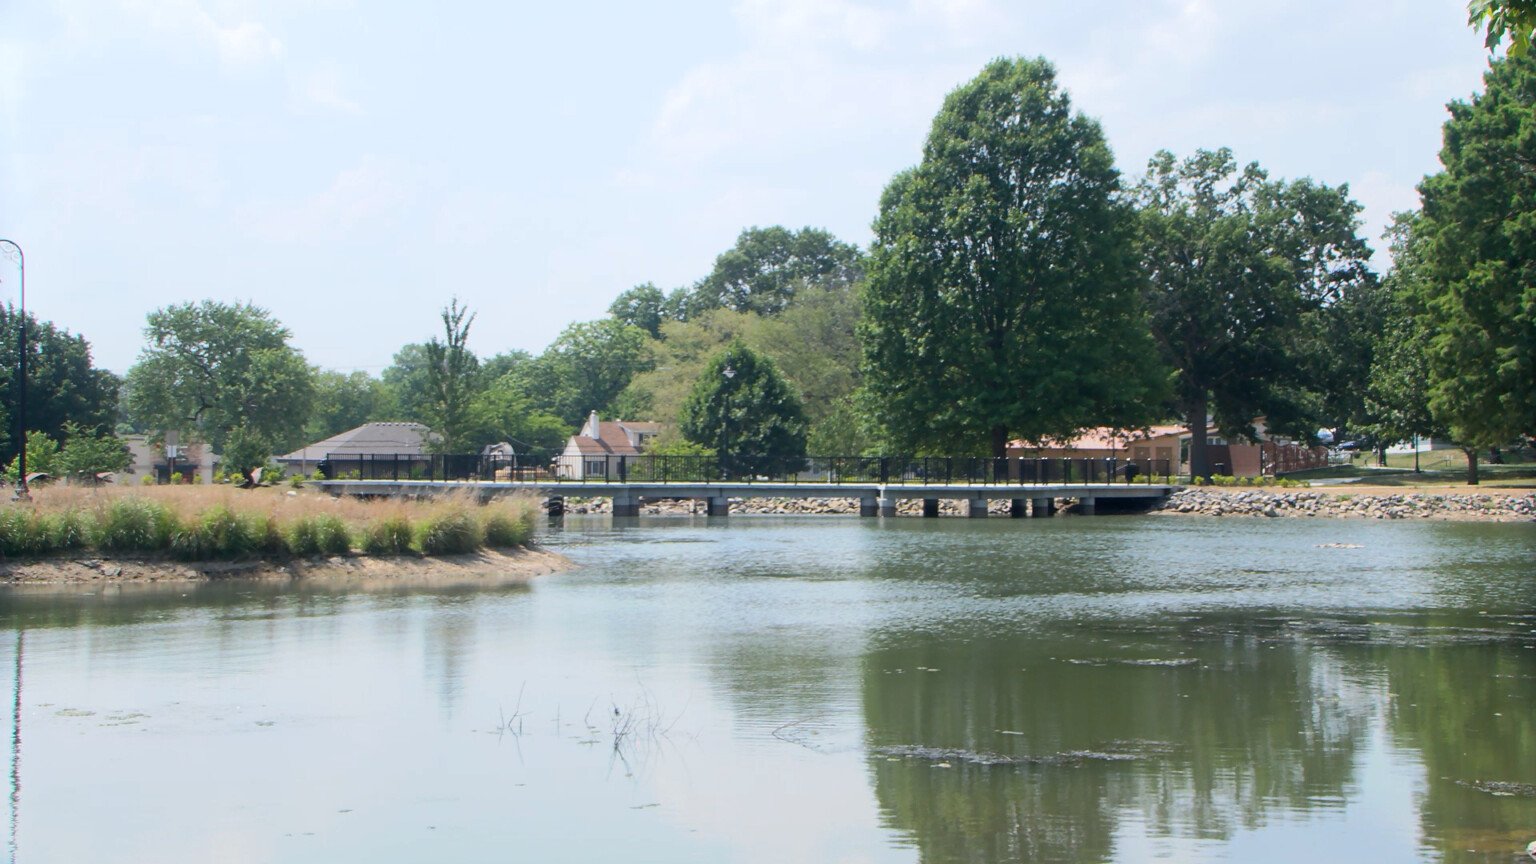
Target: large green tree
221,370
585,369
452,373
744,410
767,267
1479,226
1397,392
1002,292
62,384
1241,274
344,401
643,306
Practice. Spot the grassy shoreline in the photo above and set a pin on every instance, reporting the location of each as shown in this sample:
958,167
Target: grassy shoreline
205,524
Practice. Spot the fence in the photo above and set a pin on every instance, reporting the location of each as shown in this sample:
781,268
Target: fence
743,468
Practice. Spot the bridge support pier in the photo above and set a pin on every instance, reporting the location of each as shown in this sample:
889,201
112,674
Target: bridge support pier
718,506
1042,507
976,508
1018,508
626,506
930,508
1085,506
555,506
869,506
887,505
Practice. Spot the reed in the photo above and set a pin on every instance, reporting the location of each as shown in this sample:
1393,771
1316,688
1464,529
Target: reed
211,523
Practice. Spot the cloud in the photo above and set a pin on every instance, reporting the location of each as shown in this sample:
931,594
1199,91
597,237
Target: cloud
370,196
241,43
324,89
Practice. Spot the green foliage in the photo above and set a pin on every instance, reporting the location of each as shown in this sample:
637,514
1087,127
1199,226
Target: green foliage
321,534
585,369
220,533
42,456
673,459
69,530
643,306
1479,294
1002,296
23,532
136,525
1515,19
85,455
1397,393
210,368
391,535
504,411
767,267
453,532
743,409
62,385
502,529
1245,277
344,401
452,373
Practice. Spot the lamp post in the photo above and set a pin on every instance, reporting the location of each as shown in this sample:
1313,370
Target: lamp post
725,435
21,379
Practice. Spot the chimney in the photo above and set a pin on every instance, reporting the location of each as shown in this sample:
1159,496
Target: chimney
591,430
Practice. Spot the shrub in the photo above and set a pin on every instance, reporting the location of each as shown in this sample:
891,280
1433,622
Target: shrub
296,480
451,533
69,530
23,532
333,535
302,537
503,529
388,536
135,525
221,533
147,480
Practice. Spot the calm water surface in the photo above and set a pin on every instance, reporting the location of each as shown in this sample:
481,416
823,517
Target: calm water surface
808,689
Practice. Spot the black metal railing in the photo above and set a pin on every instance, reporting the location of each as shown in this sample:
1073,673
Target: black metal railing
744,468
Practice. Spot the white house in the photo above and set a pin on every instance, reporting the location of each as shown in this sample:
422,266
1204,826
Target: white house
594,452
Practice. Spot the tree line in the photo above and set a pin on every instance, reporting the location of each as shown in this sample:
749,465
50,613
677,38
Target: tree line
1017,287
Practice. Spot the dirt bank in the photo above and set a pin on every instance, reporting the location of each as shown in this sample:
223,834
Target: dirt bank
487,567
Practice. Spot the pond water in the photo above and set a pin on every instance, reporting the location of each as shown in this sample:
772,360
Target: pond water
808,689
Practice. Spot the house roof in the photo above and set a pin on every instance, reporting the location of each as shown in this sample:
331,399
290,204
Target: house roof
406,439
611,438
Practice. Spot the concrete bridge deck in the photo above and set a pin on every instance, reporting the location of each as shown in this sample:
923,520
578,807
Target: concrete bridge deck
875,499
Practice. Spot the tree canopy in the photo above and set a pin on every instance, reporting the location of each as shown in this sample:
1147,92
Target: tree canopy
767,267
1515,19
452,373
744,410
1238,266
212,368
1479,229
1002,293
63,386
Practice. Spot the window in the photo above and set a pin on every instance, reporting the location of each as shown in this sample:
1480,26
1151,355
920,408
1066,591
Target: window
597,467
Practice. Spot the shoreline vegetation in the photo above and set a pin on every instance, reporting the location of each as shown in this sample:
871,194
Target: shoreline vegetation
90,534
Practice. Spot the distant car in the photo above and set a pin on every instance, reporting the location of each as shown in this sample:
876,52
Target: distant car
1349,445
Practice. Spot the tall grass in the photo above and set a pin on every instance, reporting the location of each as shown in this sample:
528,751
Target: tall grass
208,523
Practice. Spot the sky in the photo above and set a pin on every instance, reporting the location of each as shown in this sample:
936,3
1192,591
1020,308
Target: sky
351,167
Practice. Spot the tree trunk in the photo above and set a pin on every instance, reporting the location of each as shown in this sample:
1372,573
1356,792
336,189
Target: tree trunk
999,441
1199,456
1471,466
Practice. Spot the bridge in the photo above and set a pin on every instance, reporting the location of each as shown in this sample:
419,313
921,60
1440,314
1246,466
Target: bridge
874,500
1032,486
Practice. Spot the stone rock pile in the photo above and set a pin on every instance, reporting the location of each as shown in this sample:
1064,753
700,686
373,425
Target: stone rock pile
1308,502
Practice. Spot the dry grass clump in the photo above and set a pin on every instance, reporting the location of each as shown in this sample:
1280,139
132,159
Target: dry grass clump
205,523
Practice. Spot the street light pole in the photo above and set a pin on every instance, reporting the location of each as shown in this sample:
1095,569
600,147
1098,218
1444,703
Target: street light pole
725,435
21,379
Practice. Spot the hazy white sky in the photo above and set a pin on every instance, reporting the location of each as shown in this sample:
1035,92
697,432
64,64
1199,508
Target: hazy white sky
351,166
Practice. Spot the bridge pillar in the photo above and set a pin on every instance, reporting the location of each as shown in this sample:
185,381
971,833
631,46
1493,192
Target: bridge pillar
718,506
1085,506
887,505
976,508
1018,508
555,506
930,508
869,505
1042,507
626,505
